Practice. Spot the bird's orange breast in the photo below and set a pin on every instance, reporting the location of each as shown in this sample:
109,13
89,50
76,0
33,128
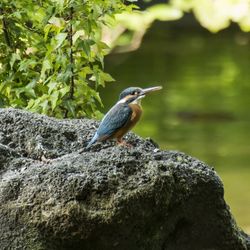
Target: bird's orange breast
135,117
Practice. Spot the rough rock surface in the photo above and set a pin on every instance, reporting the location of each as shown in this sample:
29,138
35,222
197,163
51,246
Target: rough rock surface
54,195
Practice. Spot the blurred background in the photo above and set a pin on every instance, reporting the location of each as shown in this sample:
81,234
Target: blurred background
203,109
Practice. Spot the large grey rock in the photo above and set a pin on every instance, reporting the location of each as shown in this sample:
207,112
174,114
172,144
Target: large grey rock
110,197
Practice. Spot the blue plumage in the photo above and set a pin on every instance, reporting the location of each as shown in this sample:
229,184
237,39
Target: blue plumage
92,141
129,91
116,118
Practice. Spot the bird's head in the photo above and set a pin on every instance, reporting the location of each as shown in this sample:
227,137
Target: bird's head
135,94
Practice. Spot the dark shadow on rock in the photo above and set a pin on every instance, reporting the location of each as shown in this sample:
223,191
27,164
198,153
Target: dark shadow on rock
55,195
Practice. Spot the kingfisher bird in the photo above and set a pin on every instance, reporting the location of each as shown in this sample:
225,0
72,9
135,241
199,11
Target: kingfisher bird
122,117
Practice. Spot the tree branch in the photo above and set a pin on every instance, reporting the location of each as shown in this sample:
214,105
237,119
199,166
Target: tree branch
72,79
5,30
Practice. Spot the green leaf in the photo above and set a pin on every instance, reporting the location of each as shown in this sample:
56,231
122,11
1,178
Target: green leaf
106,77
46,66
54,99
45,106
57,22
85,71
52,86
39,15
59,38
46,31
64,91
14,57
27,64
86,46
70,107
30,104
78,34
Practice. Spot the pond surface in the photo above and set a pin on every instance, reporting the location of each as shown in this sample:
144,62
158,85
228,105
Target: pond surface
204,108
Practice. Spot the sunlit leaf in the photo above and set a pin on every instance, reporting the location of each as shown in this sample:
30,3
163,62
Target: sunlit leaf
46,31
85,71
52,85
54,97
30,104
46,66
79,33
39,15
164,12
134,21
64,91
60,39
56,21
44,105
106,77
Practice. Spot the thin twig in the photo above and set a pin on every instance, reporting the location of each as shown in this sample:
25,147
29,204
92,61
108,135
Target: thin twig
72,80
72,87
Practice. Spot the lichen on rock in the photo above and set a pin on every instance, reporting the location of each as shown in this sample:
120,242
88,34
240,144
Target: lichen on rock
55,195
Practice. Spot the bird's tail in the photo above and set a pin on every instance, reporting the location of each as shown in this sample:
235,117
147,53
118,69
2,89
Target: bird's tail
92,141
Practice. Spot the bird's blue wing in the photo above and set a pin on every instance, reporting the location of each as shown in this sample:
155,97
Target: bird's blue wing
116,118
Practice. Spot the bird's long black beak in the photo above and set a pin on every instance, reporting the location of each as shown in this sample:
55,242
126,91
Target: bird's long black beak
148,90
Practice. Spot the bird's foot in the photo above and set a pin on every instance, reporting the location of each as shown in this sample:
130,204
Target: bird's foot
124,143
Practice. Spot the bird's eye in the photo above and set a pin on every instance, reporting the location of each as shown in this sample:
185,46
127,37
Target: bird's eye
135,93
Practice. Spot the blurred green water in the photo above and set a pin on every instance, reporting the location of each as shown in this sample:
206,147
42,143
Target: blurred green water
204,108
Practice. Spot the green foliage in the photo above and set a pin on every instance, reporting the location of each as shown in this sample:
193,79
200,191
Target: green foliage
51,54
213,15
217,15
132,25
52,51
